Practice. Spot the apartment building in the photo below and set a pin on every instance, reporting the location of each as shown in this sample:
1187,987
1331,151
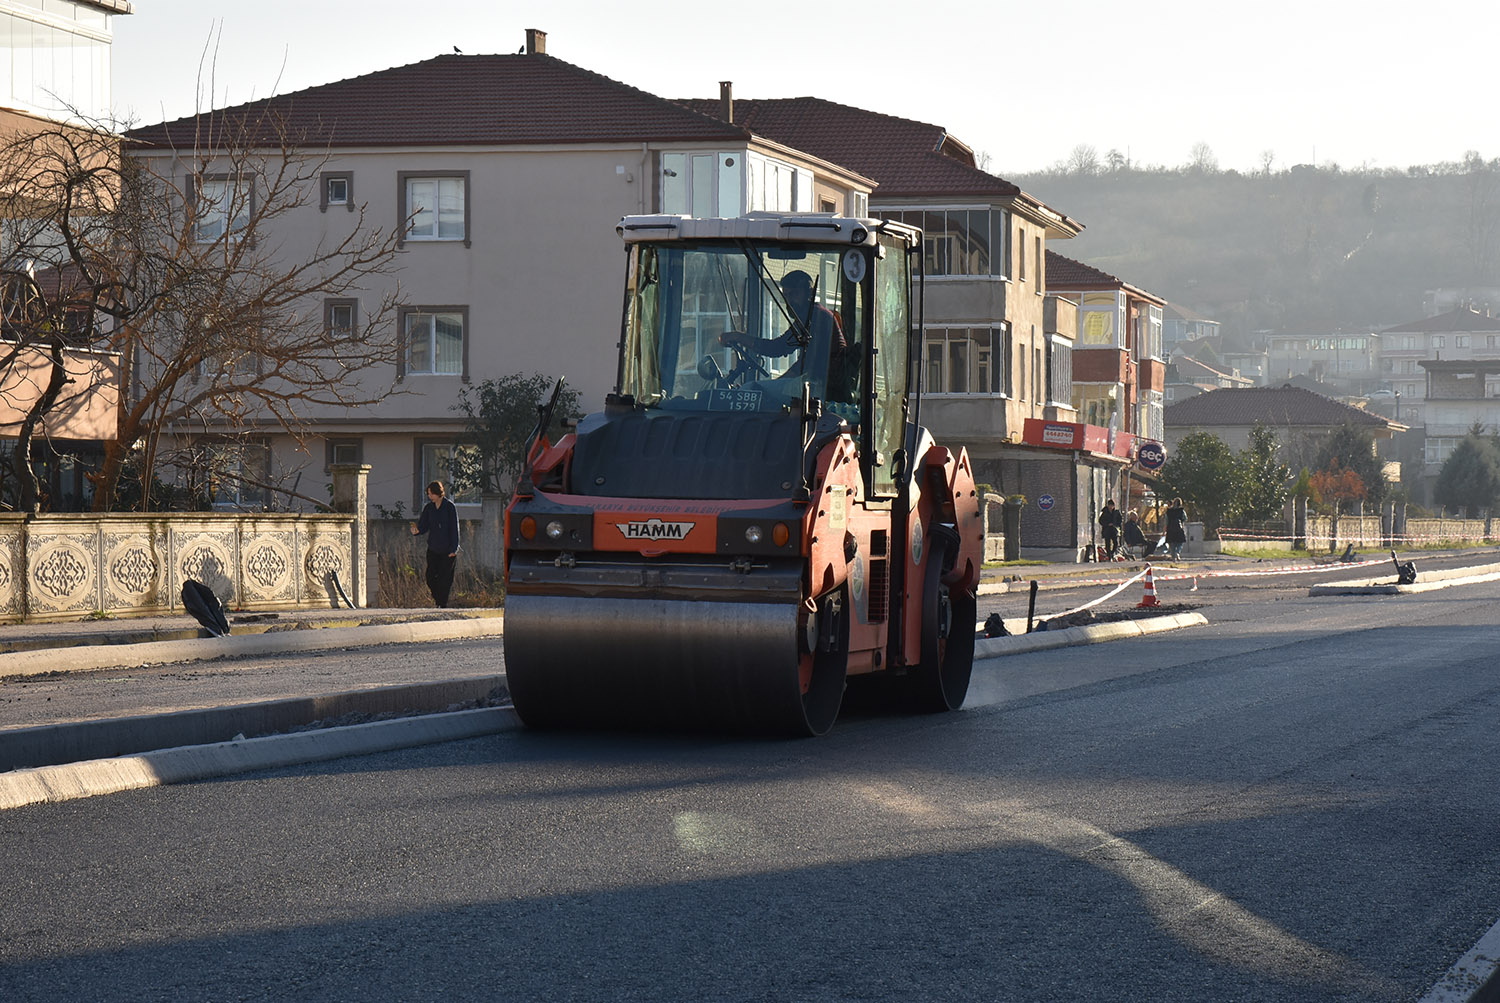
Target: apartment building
55,66
1119,371
507,175
1349,360
990,357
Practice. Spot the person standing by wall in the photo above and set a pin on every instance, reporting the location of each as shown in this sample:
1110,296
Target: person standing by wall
439,520
1176,528
1109,528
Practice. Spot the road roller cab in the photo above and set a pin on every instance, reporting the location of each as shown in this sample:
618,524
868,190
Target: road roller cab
755,516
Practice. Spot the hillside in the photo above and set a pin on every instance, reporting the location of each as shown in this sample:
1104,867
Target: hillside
1307,249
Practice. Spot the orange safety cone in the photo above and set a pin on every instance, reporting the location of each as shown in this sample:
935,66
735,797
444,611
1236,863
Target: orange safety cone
1195,584
1149,599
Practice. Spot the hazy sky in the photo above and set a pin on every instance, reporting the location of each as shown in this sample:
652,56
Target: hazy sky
1327,80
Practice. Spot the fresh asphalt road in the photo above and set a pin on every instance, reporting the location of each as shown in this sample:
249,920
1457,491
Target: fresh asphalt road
1297,802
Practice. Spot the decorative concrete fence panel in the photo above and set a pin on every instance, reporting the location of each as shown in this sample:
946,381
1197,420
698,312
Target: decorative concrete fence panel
70,566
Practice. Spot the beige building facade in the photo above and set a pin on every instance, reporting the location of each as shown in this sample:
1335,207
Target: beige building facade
510,263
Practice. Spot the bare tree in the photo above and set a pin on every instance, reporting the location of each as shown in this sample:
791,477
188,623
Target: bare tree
1202,159
1083,160
217,325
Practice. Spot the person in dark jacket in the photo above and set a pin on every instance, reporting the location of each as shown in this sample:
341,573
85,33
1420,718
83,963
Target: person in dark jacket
1132,537
1176,528
1109,528
439,520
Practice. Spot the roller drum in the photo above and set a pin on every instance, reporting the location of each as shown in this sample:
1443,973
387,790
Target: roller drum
607,662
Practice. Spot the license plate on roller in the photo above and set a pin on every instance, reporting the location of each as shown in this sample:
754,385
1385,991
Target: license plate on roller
735,400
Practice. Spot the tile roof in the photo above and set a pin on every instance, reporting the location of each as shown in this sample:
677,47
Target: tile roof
909,159
465,100
1176,311
1462,319
1065,274
1285,406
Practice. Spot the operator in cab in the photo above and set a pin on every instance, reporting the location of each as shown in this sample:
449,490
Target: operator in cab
817,320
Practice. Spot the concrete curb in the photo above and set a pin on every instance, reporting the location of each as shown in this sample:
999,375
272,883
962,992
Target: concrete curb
1428,582
77,741
1017,644
91,657
201,762
1474,978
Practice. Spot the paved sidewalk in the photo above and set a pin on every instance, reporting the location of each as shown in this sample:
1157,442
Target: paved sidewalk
112,685
181,626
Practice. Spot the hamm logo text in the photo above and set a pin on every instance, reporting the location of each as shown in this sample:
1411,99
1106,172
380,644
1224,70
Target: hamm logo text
655,529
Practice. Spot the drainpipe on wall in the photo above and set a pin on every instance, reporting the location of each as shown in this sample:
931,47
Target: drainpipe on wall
648,179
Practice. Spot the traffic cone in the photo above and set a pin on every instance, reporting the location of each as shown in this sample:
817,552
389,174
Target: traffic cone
1149,600
1195,584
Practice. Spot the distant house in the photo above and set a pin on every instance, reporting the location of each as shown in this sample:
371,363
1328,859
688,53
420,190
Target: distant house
1300,418
1350,361
1119,370
1187,377
1179,324
1461,333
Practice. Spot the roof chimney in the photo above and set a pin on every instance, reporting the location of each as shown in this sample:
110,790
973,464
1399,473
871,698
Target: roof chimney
726,100
536,42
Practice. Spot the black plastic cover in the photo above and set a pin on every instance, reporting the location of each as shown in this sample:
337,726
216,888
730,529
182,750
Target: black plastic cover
674,454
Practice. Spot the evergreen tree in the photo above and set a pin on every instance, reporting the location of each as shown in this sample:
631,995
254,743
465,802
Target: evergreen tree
1204,473
1470,478
1264,478
1351,448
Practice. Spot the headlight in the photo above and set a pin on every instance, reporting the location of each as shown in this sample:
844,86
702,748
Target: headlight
554,530
753,534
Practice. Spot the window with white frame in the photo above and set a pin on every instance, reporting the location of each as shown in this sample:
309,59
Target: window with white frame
340,316
776,186
703,184
221,207
1438,341
1460,341
962,360
437,465
957,241
435,206
237,475
1437,449
1097,403
1154,425
435,341
1099,319
1150,346
337,188
342,451
1059,371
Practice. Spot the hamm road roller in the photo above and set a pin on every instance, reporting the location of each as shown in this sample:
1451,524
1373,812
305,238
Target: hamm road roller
757,516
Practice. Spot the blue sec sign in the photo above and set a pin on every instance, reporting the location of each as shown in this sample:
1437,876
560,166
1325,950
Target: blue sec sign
1151,455
1045,503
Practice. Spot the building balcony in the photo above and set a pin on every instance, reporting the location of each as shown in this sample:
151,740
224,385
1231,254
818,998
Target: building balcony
964,299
